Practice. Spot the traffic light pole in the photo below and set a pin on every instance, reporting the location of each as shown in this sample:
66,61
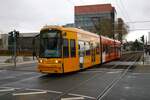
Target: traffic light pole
15,52
13,36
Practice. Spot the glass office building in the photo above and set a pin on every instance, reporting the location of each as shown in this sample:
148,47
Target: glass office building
87,16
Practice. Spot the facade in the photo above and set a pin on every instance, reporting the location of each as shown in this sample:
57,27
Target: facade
147,46
25,41
69,25
3,41
88,16
148,38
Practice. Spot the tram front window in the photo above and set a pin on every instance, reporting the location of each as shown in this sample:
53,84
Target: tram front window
50,44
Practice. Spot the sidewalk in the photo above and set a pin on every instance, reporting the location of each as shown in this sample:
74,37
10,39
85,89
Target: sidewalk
20,61
143,67
146,59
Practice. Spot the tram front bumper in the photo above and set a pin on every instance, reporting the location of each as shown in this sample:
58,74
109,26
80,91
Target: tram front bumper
50,68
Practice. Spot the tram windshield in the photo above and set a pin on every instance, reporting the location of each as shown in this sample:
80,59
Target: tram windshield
50,44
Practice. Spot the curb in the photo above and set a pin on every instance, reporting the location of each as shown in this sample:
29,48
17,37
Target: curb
12,64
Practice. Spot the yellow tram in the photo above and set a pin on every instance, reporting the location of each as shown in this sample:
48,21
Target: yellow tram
66,49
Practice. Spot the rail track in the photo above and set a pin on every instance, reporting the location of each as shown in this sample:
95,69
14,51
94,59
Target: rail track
115,81
106,90
131,56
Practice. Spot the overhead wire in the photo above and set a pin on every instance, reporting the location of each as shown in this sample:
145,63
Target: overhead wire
129,18
125,10
121,10
71,2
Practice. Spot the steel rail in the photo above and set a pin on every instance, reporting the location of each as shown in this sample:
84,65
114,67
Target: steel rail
84,82
114,82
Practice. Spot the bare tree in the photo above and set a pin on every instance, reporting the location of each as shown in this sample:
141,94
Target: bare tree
104,26
121,29
107,27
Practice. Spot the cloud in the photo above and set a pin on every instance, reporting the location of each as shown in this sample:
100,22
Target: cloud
32,14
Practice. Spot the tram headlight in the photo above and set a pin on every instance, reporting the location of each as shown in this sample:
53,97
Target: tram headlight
40,61
56,61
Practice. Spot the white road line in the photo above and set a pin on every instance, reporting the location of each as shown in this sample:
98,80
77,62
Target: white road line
5,90
114,72
140,73
22,80
10,88
73,98
89,97
91,71
29,93
51,91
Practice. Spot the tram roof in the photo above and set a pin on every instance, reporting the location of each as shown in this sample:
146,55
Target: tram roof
72,29
78,31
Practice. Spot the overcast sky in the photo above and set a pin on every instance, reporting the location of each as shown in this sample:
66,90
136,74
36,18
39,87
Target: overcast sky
31,15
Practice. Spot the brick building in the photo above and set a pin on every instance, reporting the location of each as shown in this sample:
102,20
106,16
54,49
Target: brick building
87,16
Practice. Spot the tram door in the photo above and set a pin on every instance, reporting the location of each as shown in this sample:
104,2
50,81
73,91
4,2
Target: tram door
93,55
81,53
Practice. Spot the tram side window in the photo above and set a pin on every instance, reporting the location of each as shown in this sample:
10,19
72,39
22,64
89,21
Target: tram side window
97,49
104,48
65,48
107,48
73,48
87,52
87,48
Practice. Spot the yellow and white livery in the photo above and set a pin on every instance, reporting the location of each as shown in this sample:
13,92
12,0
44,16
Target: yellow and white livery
66,49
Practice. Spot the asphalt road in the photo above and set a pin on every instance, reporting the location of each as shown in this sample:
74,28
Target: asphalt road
24,83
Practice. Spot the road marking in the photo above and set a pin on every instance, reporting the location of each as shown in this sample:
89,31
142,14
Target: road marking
51,91
73,98
10,88
127,87
92,71
29,93
140,73
89,97
5,90
114,72
22,80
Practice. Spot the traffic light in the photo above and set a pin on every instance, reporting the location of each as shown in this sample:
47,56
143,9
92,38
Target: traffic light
12,39
10,34
142,39
16,34
12,43
13,35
